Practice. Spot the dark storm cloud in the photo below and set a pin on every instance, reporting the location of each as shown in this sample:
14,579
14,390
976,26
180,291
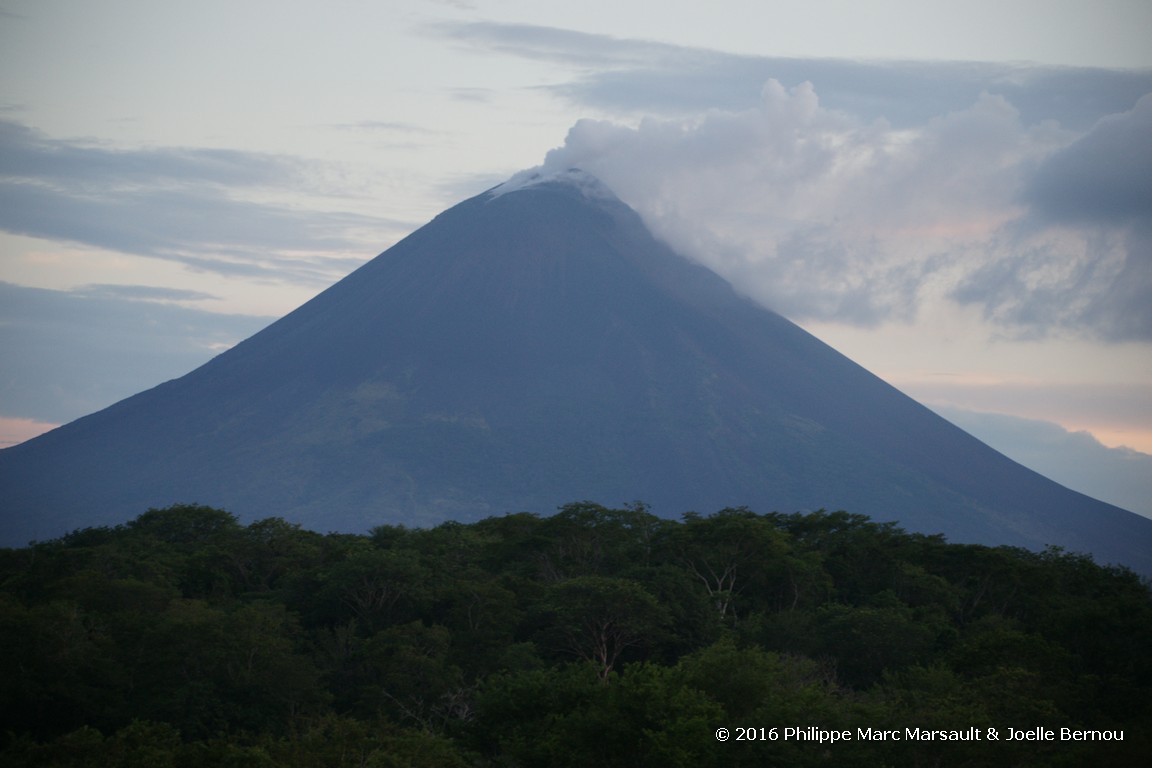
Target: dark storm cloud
177,204
68,353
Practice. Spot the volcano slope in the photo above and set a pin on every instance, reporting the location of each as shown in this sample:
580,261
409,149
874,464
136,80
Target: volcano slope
531,346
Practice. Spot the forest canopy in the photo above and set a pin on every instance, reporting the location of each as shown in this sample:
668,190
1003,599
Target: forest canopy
593,636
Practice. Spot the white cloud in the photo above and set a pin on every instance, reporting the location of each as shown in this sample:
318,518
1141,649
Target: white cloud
1081,256
825,216
862,191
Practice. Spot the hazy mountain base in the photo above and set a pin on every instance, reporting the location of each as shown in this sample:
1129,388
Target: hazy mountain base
593,637
1120,476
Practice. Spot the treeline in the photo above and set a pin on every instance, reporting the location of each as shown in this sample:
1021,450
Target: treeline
594,636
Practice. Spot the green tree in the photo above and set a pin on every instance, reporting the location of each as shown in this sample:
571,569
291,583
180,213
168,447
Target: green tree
597,619
378,587
730,553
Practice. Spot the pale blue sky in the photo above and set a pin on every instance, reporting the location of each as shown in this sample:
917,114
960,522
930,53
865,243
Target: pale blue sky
955,194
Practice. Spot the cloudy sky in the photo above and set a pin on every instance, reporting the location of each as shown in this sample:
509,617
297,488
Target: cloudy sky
958,195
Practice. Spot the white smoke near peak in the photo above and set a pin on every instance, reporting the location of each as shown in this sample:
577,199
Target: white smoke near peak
824,216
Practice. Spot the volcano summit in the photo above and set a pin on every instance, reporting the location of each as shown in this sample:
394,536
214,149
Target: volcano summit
531,346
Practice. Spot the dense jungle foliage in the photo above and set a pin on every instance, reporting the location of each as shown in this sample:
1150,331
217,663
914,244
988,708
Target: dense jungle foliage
594,636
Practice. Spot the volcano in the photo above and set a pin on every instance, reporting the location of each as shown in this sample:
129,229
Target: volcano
536,345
